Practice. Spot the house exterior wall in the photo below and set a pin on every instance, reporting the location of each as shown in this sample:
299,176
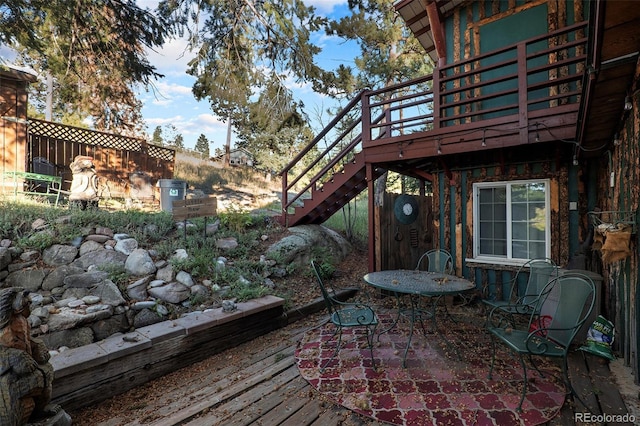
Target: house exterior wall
13,124
465,32
617,188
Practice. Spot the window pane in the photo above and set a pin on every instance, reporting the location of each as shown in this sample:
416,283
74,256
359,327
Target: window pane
486,230
519,231
500,211
519,249
527,214
519,212
486,212
537,249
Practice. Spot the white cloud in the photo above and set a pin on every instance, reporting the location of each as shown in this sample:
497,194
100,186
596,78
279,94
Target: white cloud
324,6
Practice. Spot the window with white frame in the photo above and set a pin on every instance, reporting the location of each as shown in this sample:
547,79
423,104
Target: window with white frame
511,220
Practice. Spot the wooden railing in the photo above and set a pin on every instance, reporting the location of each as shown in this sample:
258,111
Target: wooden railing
507,85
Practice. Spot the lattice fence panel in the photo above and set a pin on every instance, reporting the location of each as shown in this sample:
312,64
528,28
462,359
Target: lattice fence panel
92,137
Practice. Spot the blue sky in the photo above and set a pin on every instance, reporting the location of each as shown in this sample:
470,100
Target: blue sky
173,103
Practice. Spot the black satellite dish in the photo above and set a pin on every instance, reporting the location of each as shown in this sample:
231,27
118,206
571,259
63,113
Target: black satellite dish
406,209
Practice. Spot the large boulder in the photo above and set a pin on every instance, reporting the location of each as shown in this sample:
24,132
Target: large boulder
307,241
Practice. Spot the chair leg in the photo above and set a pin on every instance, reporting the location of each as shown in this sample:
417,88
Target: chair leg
335,352
493,356
567,382
370,335
524,382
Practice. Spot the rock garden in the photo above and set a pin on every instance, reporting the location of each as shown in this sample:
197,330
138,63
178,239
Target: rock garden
105,281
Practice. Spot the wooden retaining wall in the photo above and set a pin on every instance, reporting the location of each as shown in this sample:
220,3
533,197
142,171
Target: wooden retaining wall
98,371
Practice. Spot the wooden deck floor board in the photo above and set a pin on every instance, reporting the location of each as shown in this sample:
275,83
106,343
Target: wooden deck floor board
262,386
252,413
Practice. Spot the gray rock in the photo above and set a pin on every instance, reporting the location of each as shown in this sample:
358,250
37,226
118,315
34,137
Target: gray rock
34,321
298,248
126,246
56,277
162,310
146,317
41,312
76,242
5,257
96,308
90,246
172,292
72,338
212,228
108,293
29,279
101,230
78,303
180,254
86,279
68,318
139,263
110,326
91,300
100,239
145,304
119,237
75,293
138,289
185,278
58,254
17,266
166,274
100,258
200,290
30,255
228,243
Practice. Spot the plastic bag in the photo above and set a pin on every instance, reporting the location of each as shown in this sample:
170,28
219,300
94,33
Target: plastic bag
600,338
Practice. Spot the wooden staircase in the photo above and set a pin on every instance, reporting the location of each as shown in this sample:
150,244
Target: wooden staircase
333,194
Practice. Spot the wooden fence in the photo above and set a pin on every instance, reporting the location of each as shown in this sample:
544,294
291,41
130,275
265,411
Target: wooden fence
123,164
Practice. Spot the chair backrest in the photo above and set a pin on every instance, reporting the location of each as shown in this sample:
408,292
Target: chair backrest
436,260
328,300
564,305
540,271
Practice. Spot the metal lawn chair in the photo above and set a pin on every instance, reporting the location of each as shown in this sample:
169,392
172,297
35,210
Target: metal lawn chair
562,307
523,294
347,315
436,260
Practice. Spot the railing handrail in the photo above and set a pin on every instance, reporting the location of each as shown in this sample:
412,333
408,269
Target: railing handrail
555,33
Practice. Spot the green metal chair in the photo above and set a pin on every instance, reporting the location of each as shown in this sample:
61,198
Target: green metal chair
347,315
523,294
439,260
436,260
561,308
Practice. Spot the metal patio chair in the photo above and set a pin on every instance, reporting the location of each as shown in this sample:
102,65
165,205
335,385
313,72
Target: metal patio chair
562,307
347,315
439,260
436,260
523,294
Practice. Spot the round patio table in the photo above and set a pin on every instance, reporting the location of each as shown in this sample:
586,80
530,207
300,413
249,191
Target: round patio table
416,283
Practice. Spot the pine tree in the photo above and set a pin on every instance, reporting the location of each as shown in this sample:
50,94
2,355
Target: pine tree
202,146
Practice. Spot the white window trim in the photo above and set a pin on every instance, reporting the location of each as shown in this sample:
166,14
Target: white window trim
476,241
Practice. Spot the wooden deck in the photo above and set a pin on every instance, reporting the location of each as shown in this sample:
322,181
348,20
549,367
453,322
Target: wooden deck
257,383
